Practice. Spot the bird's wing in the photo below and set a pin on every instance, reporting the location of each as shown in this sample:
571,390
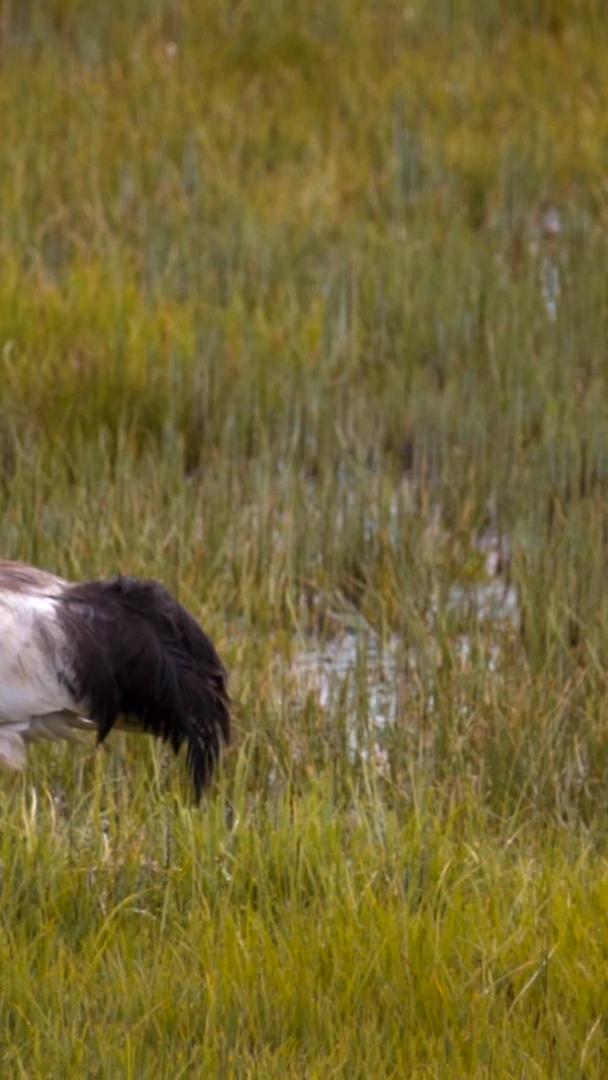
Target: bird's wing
17,577
34,665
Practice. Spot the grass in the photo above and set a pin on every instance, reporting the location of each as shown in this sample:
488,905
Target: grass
301,941
284,322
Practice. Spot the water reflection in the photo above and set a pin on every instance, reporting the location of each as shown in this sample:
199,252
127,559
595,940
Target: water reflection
365,672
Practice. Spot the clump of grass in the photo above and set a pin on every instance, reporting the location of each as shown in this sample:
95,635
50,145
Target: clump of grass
296,937
303,311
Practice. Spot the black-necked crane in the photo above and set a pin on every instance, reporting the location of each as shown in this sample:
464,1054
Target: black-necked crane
98,655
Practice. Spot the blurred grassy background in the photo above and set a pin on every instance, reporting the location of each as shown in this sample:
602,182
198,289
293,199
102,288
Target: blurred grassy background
301,305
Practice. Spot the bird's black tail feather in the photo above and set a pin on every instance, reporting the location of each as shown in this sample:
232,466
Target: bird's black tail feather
138,653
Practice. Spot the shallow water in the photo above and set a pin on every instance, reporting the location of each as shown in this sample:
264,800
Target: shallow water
358,665
493,599
362,661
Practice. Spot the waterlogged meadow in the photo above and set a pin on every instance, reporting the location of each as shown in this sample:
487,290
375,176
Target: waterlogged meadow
304,310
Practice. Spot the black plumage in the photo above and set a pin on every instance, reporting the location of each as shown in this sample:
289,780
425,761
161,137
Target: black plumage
122,653
138,653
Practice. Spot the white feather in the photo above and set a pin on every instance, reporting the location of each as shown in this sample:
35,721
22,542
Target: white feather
34,702
28,676
95,648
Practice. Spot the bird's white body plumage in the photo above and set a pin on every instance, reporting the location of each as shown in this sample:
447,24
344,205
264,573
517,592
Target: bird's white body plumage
98,655
34,703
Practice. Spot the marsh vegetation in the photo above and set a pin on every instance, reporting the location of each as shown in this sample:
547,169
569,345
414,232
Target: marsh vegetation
303,309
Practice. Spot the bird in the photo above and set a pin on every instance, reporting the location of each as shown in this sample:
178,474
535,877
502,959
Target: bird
119,653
